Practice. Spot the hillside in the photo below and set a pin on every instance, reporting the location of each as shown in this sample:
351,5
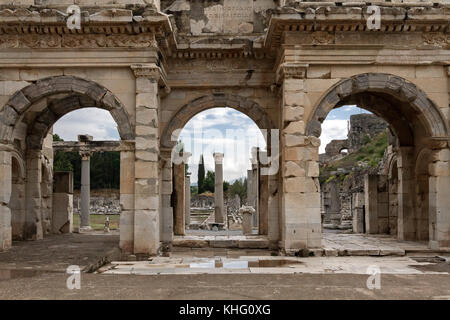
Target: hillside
367,157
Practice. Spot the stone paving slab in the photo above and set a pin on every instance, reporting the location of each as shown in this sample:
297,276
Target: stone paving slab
313,265
368,245
57,252
219,241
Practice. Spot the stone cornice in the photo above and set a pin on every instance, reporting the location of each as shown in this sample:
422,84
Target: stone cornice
326,17
291,71
38,27
102,28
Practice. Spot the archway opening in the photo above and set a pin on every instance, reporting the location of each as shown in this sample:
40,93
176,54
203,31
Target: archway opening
415,125
223,144
43,202
72,153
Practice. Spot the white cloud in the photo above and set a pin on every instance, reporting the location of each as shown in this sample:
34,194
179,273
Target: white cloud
221,130
93,121
332,130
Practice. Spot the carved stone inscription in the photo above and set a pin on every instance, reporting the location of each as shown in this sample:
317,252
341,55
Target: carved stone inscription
231,17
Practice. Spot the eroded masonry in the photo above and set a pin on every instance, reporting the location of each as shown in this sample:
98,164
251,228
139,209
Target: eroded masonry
285,64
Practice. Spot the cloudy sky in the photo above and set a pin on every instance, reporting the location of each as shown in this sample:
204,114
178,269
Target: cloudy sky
216,130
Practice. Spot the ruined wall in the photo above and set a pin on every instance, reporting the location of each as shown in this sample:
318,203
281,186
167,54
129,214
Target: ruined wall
102,202
363,127
198,17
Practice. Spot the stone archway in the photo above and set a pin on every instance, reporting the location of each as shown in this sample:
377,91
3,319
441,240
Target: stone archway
416,121
169,139
56,96
82,94
379,85
217,100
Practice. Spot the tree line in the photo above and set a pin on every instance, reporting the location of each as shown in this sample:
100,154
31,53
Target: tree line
105,167
206,183
105,172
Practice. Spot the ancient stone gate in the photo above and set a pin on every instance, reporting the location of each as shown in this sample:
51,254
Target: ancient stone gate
155,64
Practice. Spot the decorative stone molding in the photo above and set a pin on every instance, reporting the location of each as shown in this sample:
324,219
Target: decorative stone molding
321,17
36,41
436,39
291,71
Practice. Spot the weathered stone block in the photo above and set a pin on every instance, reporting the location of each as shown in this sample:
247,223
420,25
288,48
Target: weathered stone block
293,113
295,127
146,169
291,140
295,184
292,169
312,169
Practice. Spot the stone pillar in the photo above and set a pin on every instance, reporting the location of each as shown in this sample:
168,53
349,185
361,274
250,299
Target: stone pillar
179,186
127,183
263,198
250,195
187,200
218,188
439,199
406,221
85,194
33,219
273,207
371,202
166,193
255,186
300,200
358,211
5,195
146,188
62,218
247,220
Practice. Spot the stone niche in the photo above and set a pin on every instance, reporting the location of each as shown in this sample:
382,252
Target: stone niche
198,17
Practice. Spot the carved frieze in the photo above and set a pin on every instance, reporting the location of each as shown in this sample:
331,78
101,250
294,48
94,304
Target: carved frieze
38,41
436,39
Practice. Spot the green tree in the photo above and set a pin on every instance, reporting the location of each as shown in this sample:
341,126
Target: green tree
209,182
201,175
61,161
226,186
239,187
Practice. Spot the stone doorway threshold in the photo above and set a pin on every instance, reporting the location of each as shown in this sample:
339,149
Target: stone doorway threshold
221,241
342,244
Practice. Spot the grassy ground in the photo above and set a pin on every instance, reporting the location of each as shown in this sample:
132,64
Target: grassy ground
98,221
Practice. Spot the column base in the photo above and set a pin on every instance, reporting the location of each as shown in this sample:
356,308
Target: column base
85,229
